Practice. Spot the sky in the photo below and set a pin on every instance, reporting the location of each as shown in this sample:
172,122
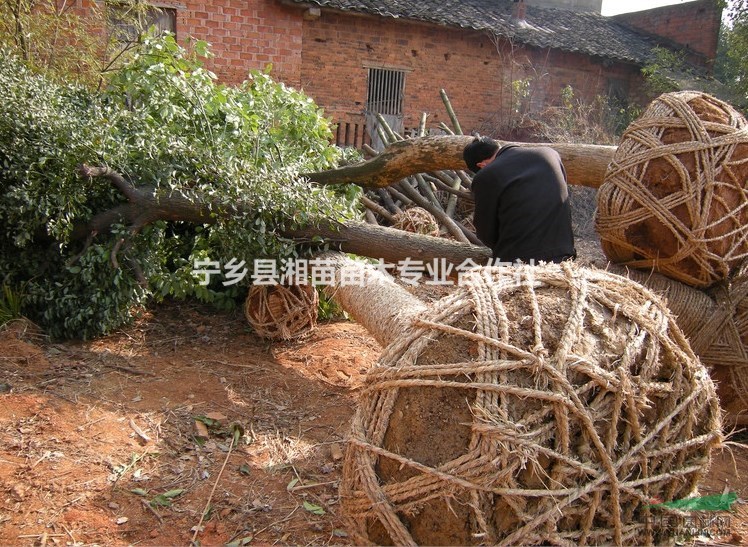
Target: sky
613,7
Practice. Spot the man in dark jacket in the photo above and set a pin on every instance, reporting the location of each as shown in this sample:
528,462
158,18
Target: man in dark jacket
522,209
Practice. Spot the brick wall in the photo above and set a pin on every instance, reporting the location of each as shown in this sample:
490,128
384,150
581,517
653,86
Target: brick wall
245,35
694,25
475,72
328,56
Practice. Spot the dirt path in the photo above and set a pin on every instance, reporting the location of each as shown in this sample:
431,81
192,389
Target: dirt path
127,439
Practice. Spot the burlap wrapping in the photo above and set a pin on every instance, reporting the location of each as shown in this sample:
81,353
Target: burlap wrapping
282,312
416,220
547,406
674,197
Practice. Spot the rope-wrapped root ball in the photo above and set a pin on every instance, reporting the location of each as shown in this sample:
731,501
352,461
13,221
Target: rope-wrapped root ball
675,195
716,325
727,330
416,220
282,312
533,405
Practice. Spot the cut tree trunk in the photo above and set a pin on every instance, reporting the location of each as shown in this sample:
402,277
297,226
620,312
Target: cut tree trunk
586,164
355,237
377,303
391,245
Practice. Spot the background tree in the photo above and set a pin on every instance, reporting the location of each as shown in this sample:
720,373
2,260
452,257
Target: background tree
732,57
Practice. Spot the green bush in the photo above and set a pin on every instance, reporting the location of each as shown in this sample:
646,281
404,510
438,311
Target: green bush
164,123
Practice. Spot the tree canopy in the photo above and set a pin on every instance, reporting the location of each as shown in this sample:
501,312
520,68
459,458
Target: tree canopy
732,58
163,123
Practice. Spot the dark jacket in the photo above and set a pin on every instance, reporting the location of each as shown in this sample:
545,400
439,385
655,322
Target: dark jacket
522,209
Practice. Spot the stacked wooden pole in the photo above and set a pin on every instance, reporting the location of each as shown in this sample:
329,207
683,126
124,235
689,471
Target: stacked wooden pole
445,194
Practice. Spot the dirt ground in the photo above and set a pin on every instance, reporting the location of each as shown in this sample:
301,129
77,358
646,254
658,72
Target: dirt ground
130,439
99,442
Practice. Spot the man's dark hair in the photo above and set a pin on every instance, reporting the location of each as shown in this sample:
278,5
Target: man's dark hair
481,148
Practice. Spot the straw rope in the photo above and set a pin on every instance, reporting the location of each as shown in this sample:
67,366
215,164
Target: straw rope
674,197
716,325
586,402
282,312
416,220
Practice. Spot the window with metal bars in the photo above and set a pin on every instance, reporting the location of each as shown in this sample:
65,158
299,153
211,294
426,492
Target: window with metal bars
128,19
385,91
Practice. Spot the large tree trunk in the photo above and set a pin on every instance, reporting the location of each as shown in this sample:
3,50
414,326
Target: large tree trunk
392,245
380,305
354,237
586,164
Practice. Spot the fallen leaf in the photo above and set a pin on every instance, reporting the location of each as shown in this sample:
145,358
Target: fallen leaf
201,430
313,509
216,416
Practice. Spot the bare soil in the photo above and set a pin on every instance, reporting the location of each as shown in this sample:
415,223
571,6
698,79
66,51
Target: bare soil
99,440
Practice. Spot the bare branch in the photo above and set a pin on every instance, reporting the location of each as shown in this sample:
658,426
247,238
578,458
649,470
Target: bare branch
119,182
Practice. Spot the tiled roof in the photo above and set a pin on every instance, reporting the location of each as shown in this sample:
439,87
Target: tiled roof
584,32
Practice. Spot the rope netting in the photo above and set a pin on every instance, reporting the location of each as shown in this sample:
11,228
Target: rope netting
715,322
674,197
546,404
416,220
282,312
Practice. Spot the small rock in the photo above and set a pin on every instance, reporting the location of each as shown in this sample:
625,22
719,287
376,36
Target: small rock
217,416
336,452
201,430
113,505
121,520
19,491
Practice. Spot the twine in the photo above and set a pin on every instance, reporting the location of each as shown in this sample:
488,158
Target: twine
416,220
282,312
579,418
674,197
716,325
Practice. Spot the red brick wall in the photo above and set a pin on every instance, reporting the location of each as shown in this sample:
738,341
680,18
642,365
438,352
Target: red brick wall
243,34
694,25
327,57
475,74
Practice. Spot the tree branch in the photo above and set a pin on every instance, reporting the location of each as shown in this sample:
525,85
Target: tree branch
586,164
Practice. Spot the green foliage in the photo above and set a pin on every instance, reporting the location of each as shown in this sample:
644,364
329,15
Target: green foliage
165,123
661,75
10,304
70,42
53,38
731,66
670,71
329,309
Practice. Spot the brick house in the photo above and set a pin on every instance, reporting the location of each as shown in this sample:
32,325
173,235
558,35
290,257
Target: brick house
360,57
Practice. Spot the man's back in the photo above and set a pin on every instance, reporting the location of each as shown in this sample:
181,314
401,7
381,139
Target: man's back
522,209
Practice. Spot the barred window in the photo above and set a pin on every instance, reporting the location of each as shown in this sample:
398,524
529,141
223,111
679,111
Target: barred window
385,91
